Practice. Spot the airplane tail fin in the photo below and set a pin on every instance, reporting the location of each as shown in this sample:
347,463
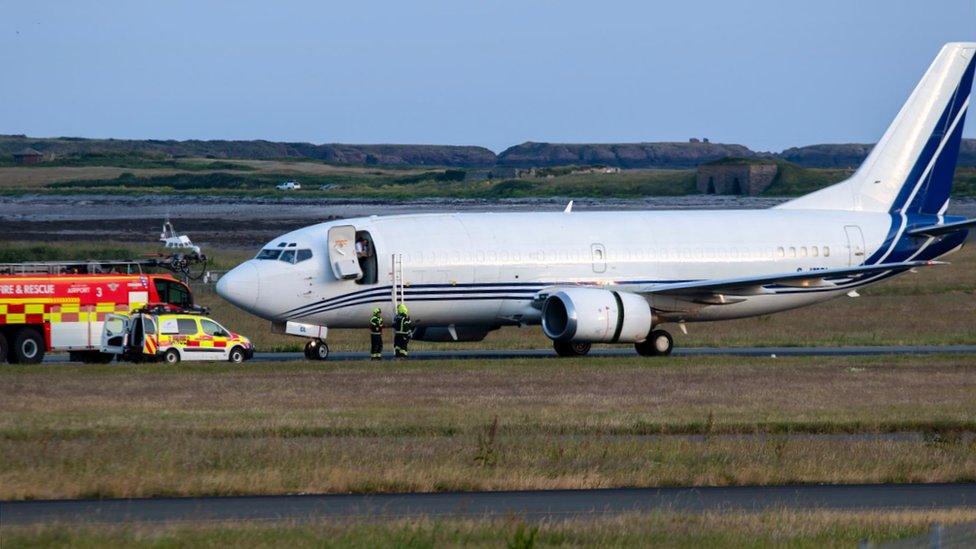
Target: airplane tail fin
911,168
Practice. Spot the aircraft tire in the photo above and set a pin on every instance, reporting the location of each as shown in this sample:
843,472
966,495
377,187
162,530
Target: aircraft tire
658,343
570,349
316,350
322,351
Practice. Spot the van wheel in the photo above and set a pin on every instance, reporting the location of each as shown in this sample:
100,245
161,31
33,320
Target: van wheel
171,356
236,355
568,348
28,347
4,349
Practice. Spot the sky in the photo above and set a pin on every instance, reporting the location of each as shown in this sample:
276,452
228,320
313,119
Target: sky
766,74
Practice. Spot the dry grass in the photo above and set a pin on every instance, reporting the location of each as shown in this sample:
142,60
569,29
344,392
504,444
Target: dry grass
659,529
39,176
119,430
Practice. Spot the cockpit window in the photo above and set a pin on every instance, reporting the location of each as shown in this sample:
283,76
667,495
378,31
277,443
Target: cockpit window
288,256
268,253
303,255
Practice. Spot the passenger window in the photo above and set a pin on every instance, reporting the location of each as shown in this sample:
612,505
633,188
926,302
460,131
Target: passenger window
148,325
288,256
792,251
303,255
268,253
814,251
826,251
211,328
780,252
186,326
803,251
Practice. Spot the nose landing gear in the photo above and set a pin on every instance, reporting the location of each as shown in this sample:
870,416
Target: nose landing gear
316,349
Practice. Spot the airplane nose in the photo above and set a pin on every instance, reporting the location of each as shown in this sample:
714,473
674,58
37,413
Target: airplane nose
241,286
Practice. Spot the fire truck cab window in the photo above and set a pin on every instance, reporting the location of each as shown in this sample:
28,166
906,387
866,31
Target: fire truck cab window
288,256
173,293
268,253
303,255
186,326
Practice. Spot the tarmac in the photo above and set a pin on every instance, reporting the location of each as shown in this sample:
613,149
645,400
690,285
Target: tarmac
529,504
484,354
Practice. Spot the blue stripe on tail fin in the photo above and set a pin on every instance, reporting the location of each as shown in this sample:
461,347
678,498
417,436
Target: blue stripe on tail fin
933,192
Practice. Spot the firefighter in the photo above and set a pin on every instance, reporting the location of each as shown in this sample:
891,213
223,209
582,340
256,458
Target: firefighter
376,335
402,329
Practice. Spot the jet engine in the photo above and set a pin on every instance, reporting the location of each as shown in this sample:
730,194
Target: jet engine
596,316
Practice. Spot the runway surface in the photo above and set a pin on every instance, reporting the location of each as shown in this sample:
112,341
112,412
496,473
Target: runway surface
485,354
533,504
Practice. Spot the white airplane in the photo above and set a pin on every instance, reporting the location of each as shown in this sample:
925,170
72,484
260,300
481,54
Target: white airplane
616,277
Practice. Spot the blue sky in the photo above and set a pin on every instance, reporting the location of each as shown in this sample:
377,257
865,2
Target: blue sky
766,74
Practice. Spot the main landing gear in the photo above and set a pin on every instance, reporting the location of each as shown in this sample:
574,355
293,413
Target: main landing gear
658,343
316,349
569,348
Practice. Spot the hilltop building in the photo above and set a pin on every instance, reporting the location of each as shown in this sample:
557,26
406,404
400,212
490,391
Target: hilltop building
737,176
28,156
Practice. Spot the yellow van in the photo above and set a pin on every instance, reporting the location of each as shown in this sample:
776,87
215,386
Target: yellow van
172,337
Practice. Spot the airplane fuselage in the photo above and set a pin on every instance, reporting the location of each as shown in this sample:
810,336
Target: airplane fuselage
485,269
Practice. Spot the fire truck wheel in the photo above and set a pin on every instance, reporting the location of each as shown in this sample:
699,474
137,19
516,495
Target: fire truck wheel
101,358
28,347
171,356
236,355
3,348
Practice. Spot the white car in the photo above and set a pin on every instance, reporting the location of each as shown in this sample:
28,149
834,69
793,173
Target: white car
289,186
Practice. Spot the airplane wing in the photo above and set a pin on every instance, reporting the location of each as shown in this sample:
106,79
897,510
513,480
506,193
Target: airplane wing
943,228
728,290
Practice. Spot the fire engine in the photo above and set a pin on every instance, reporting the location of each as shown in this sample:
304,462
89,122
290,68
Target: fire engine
61,306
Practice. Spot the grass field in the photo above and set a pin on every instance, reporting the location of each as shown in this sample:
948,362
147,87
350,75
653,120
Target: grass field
124,175
663,529
145,430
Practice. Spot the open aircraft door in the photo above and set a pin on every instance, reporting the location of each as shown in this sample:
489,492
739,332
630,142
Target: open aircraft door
342,252
115,334
855,245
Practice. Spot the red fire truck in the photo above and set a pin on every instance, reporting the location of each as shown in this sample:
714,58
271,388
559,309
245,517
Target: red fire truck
61,306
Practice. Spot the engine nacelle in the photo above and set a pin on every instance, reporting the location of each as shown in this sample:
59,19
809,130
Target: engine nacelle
596,316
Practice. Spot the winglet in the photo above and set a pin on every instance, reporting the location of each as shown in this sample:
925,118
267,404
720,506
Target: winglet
569,208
